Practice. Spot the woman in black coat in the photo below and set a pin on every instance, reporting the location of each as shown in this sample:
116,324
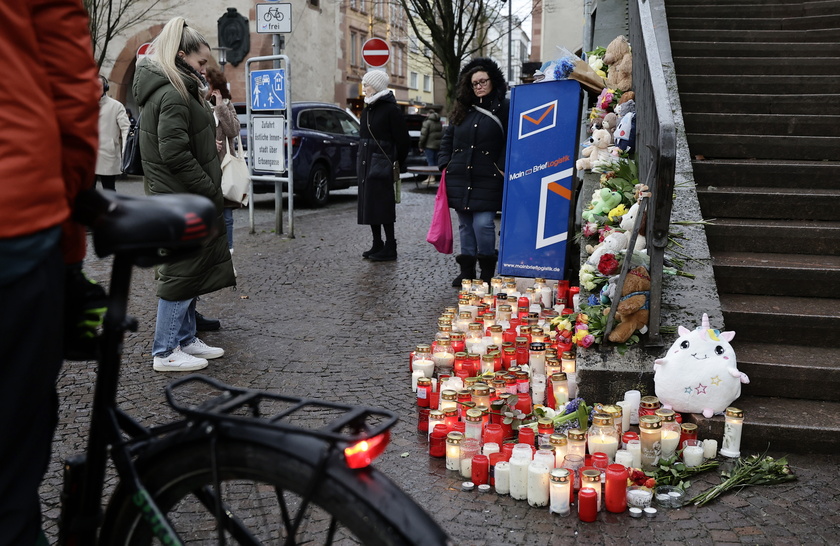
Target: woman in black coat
383,140
473,153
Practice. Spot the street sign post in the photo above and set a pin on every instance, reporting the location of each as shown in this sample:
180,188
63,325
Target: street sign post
267,140
376,52
274,18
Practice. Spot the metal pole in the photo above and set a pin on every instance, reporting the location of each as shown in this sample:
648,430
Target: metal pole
510,42
276,49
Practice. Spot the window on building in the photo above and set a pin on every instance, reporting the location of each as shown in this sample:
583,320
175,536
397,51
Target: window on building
427,83
354,49
354,5
314,3
412,80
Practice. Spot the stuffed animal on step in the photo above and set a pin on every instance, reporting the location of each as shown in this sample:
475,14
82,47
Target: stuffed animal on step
628,222
700,373
620,62
597,151
603,201
625,133
632,311
613,243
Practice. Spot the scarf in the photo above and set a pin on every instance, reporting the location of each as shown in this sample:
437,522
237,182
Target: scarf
373,98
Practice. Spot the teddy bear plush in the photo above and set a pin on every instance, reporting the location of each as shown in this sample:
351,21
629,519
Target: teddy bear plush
603,201
613,243
632,310
628,222
597,151
620,62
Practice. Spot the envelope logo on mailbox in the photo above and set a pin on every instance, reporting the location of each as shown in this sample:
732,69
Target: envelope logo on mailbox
552,218
539,119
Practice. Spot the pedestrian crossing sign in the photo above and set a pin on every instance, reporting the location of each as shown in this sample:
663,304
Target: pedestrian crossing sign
268,89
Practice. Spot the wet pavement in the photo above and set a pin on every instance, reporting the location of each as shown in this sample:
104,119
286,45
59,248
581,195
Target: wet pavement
311,317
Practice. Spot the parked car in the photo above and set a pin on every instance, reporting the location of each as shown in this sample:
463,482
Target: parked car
414,122
325,142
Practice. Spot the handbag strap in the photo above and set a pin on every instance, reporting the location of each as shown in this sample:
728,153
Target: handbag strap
240,153
376,139
492,116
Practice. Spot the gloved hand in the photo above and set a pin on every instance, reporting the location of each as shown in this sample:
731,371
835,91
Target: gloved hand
85,303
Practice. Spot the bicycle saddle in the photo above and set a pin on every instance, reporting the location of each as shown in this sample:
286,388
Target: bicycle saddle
149,230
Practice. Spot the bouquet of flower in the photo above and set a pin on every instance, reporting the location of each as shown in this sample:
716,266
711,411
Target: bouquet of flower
569,66
754,470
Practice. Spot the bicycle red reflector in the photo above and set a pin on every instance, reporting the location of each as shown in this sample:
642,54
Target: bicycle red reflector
361,454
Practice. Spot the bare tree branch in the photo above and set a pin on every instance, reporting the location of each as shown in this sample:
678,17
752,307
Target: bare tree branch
111,18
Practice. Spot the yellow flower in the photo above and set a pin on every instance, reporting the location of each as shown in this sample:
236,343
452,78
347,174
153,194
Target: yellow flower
617,212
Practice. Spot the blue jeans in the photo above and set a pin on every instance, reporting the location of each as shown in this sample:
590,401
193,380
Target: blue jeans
478,232
175,326
229,225
431,157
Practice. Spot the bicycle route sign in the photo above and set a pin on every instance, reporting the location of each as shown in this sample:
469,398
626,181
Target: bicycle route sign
274,18
376,52
268,89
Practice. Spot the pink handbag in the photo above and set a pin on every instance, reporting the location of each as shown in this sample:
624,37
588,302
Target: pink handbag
440,231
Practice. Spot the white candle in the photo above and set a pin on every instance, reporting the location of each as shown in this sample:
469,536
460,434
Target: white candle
501,474
624,457
693,455
538,487
490,447
604,444
635,449
453,456
560,496
424,366
670,440
572,378
519,477
414,375
466,467
709,448
625,414
634,398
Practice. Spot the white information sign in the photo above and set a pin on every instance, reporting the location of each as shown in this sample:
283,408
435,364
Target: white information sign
274,18
267,136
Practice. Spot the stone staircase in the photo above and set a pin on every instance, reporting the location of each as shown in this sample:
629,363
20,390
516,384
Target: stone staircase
759,86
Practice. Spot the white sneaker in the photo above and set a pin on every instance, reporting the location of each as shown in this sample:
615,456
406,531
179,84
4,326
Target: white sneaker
202,350
179,361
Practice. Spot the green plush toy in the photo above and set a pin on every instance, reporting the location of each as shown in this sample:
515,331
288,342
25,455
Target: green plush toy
603,201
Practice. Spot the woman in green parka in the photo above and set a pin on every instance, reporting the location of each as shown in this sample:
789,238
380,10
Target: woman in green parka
178,147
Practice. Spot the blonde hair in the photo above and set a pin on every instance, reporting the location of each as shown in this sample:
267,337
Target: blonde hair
176,36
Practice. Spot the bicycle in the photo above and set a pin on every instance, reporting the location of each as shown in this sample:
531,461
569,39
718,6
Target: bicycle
273,13
240,466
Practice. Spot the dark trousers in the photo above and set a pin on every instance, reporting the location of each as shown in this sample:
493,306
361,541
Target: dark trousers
31,345
108,182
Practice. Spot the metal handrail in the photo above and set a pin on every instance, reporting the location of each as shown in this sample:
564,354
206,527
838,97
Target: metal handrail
656,143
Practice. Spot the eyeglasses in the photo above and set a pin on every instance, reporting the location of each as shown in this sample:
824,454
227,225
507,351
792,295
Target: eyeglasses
480,83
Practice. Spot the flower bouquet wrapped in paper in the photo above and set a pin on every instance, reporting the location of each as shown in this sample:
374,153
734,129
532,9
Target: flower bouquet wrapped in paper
569,66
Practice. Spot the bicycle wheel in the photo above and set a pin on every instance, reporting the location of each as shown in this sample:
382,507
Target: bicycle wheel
261,491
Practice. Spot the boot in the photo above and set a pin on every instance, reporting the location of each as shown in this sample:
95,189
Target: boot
488,267
377,246
388,253
467,264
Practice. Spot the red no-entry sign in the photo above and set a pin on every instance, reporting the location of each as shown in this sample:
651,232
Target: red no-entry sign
376,52
143,50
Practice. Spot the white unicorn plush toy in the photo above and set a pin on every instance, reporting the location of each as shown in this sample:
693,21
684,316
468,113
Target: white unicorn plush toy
699,374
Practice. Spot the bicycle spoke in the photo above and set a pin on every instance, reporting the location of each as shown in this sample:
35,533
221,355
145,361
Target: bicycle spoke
230,522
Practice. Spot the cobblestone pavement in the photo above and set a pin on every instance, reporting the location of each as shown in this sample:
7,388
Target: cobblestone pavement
309,316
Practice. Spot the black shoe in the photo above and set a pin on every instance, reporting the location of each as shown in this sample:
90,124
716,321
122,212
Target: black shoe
377,246
387,254
204,324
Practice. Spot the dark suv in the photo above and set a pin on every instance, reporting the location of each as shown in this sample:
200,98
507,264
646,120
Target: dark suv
325,142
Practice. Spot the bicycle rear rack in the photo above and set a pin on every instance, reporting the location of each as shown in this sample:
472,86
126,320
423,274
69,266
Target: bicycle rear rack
348,424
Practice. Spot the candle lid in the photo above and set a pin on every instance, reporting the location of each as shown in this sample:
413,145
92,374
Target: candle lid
537,346
484,488
424,381
448,394
734,412
592,475
576,434
649,402
455,437
666,414
473,415
602,419
559,475
424,348
650,422
481,389
650,511
558,439
559,376
688,427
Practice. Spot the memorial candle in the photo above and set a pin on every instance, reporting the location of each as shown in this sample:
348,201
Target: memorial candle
615,489
560,492
732,430
538,484
501,475
453,450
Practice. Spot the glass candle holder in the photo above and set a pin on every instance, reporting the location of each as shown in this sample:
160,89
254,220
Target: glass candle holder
437,444
444,357
481,394
709,448
560,492
591,478
648,405
650,434
458,341
688,431
470,447
615,488
602,436
567,359
624,458
473,429
577,442
732,429
625,415
480,469
615,411
559,389
453,451
451,417
692,453
448,399
436,417
424,391
537,358
560,444
634,447
493,433
519,476
670,436
545,428
527,435
587,505
545,456
574,462
538,484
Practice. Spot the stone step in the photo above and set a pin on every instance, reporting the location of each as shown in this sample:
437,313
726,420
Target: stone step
764,124
774,174
748,10
759,103
717,201
789,371
745,35
773,236
757,84
683,48
799,275
723,22
735,63
767,319
763,147
783,424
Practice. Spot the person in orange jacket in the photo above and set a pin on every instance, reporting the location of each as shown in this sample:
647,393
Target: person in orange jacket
48,146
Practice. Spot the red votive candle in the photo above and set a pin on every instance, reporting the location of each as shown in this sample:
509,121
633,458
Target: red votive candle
527,435
615,489
507,451
524,403
492,434
437,443
627,436
434,399
493,458
600,460
423,419
480,469
587,504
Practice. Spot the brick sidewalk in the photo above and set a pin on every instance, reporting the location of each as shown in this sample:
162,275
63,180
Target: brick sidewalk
310,316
